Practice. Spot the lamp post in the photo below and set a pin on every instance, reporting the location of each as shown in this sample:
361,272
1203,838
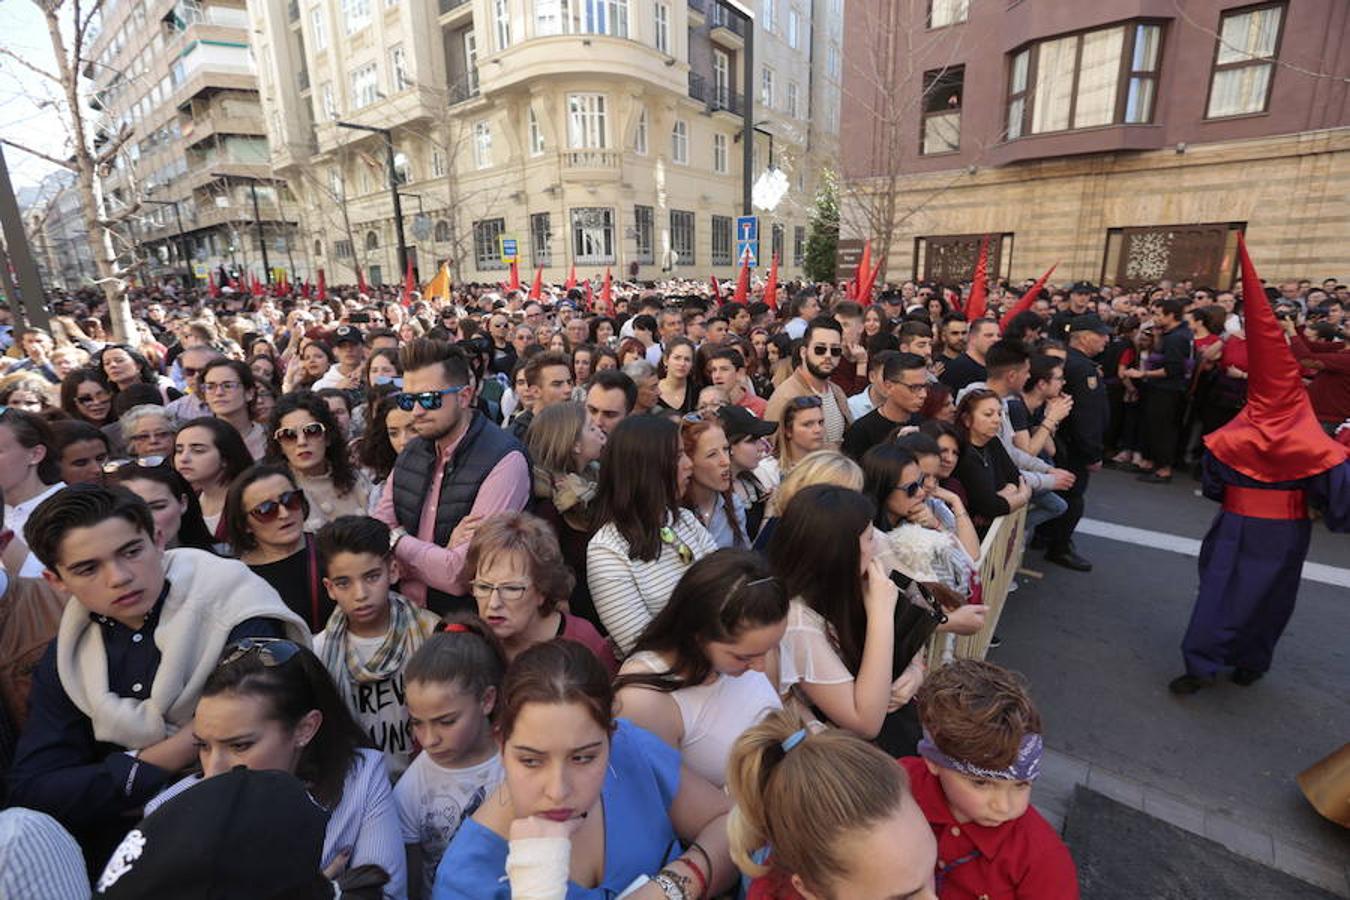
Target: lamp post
189,278
388,136
257,217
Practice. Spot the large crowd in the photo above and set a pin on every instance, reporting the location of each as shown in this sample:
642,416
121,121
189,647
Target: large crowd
546,595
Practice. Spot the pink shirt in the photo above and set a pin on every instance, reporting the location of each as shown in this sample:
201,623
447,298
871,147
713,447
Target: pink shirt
427,564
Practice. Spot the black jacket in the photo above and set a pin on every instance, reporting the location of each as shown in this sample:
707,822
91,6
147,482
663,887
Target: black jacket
1078,442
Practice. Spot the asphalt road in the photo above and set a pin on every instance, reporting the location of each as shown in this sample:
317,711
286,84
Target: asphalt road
1099,649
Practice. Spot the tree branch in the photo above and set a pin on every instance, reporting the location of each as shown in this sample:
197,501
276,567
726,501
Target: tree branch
65,164
6,52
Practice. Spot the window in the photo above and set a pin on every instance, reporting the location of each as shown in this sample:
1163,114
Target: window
541,239
581,17
398,69
330,110
318,28
372,240
365,86
355,15
662,14
777,237
793,26
942,110
1102,77
723,234
720,154
640,134
548,17
487,249
1244,63
501,22
1206,253
766,87
950,258
441,234
482,145
342,249
798,245
679,143
942,13
832,61
471,61
792,100
593,235
335,183
766,15
586,122
643,219
536,134
438,166
682,237
721,80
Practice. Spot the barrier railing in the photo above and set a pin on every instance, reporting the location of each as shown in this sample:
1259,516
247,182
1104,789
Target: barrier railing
1000,558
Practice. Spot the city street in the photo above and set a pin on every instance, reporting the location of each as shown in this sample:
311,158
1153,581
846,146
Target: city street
1099,650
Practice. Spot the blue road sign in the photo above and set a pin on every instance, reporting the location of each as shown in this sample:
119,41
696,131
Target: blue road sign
747,239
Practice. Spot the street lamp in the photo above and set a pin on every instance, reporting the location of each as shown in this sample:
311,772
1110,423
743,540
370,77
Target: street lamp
388,136
257,217
190,278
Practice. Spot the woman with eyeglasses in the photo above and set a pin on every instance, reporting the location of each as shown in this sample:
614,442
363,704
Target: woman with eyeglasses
801,430
521,585
265,516
696,677
992,482
173,504
148,431
264,401
271,705
84,396
644,539
209,454
677,388
709,495
305,436
82,450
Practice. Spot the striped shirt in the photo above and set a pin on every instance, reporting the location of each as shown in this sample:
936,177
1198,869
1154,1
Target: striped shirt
39,860
628,593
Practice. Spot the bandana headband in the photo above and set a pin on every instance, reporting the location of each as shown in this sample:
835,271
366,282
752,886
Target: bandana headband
1026,767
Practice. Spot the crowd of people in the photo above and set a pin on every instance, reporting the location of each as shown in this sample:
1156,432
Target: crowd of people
532,597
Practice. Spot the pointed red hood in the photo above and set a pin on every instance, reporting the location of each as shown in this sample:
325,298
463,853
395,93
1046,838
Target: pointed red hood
1276,437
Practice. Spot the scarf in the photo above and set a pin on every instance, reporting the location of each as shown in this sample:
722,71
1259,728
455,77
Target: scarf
571,495
409,627
207,597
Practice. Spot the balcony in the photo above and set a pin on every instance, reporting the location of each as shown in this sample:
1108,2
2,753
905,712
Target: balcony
445,7
698,11
724,101
293,11
727,29
591,165
698,88
302,80
462,91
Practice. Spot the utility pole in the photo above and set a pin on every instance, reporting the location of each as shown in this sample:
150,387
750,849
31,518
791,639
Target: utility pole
257,216
34,308
388,135
189,279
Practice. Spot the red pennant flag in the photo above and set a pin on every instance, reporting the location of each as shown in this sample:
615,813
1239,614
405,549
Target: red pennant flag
305,289
408,284
233,283
360,280
979,289
771,289
1026,300
323,287
607,294
742,294
571,278
257,286
211,287
870,284
514,284
717,288
537,288
864,269
590,296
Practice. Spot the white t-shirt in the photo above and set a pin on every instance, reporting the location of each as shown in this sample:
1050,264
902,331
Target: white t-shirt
433,801
380,707
16,517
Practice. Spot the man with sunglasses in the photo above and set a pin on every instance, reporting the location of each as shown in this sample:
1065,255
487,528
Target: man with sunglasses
822,349
503,352
459,469
111,706
905,387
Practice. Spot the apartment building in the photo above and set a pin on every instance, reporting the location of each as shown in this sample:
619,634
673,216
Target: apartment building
56,231
1125,140
596,133
181,76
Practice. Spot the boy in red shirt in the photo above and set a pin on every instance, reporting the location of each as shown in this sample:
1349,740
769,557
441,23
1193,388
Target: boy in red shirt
980,753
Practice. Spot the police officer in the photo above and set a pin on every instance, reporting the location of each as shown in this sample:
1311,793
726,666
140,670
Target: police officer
1078,443
1080,303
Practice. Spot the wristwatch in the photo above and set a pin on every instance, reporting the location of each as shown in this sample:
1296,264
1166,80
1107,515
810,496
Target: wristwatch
396,534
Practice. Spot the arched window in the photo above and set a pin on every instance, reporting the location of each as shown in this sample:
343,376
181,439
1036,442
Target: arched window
372,241
318,247
442,234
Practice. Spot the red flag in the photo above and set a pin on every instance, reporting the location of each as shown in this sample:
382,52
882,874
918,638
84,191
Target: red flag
257,286
607,294
590,296
953,299
864,269
211,287
979,289
771,289
742,294
1026,300
360,280
571,278
870,283
323,287
304,289
514,284
717,288
537,288
408,284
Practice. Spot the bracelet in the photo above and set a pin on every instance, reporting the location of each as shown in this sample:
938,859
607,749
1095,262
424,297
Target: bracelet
963,515
670,884
698,873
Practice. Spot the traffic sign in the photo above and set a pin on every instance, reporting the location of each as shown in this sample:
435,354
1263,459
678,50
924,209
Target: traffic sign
509,249
747,239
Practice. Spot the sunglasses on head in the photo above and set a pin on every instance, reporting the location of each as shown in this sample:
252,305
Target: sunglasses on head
291,435
833,350
272,652
268,510
113,466
429,400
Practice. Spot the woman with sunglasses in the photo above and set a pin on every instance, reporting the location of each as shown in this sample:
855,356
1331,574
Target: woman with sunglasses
265,516
270,705
306,437
173,504
644,539
84,396
709,495
801,431
209,454
677,388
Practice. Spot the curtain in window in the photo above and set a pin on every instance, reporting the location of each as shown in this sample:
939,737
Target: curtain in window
1098,78
1238,91
1054,85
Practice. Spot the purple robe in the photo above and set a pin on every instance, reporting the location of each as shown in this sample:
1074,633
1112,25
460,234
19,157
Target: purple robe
1250,570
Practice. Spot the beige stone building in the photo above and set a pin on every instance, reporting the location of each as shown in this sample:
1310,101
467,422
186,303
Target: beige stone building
1128,140
596,133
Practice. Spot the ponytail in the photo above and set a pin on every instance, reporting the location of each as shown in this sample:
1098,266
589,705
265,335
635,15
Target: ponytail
463,651
806,801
